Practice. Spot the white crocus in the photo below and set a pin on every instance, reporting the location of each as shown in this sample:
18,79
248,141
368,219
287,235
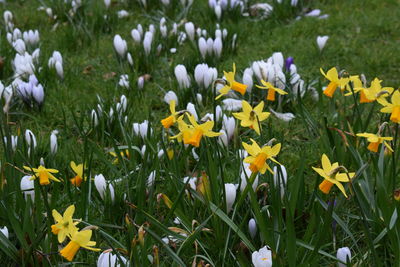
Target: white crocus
53,142
108,259
199,99
230,193
203,47
223,138
313,13
130,59
169,96
218,11
246,173
321,41
283,116
59,69
124,81
280,179
147,42
27,187
262,258
192,110
231,104
30,138
19,46
107,3
140,82
4,231
190,31
120,46
248,80
229,124
101,186
182,76
151,179
141,129
217,47
136,36
344,255
252,228
38,93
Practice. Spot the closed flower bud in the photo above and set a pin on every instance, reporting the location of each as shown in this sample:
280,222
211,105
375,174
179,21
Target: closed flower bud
120,46
210,46
229,124
248,80
223,138
217,47
252,228
53,142
147,41
321,41
230,193
107,3
203,47
27,187
169,96
280,178
136,36
182,77
101,186
190,31
59,70
344,255
199,99
192,110
38,93
218,11
4,231
108,259
19,46
30,138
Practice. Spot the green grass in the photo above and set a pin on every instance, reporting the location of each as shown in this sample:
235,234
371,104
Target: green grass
298,227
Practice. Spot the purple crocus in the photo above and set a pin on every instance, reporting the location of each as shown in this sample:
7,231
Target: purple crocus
289,61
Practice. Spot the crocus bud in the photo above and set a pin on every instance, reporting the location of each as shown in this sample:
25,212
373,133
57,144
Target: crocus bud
59,69
147,41
217,47
190,31
248,80
94,118
108,259
53,142
27,187
321,41
210,46
136,36
203,47
182,77
283,116
277,58
247,173
30,138
344,255
38,93
101,186
4,231
199,99
223,138
192,110
19,46
280,178
169,96
228,124
151,179
252,227
218,11
199,73
107,3
313,13
230,193
120,46
210,76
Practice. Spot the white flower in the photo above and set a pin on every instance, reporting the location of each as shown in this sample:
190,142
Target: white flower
190,31
283,116
107,3
210,46
230,193
136,36
277,58
262,258
228,124
31,37
210,76
217,47
223,138
294,2
14,141
120,46
53,142
122,14
4,231
313,13
192,110
191,181
108,259
218,11
202,47
140,82
321,41
94,118
147,41
165,2
248,80
19,46
27,187
344,255
101,186
182,76
23,65
151,179
231,104
38,93
243,181
129,58
30,138
59,69
141,129
199,74
169,96
252,228
124,81
280,178
199,98
8,16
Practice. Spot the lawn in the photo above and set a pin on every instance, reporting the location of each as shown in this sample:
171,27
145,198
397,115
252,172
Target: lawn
243,178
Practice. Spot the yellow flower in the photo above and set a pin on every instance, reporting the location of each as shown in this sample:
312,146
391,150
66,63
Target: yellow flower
396,194
333,76
271,90
64,225
332,176
192,134
251,117
78,169
123,153
232,84
259,156
43,174
393,108
375,140
170,120
372,93
78,240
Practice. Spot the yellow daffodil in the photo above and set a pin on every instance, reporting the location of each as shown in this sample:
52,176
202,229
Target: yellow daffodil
335,82
78,169
78,240
375,140
393,108
123,154
396,194
64,225
372,93
272,90
251,117
259,156
44,175
192,134
330,172
232,84
170,120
